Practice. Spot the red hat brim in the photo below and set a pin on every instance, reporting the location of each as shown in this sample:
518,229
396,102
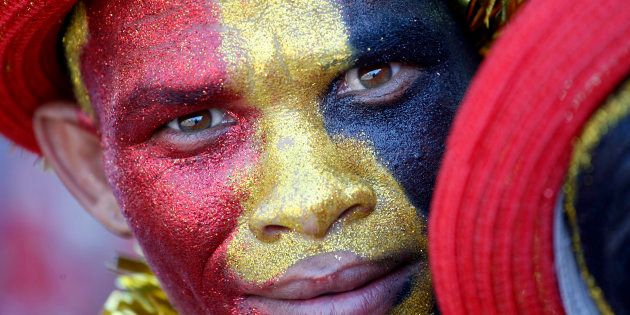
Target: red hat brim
491,221
31,73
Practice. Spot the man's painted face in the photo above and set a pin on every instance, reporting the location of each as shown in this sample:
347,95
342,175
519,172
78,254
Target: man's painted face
277,156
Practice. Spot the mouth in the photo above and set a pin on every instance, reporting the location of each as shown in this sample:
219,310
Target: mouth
335,283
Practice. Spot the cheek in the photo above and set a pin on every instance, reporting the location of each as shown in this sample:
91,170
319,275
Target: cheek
182,211
172,201
408,137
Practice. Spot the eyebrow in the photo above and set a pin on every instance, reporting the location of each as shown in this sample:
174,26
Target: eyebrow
176,96
379,35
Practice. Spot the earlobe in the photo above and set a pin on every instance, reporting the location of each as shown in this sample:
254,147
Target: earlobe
72,147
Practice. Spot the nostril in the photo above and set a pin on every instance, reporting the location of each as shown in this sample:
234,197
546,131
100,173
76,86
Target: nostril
353,213
273,231
348,212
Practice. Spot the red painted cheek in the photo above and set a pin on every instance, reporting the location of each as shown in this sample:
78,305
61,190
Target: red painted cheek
183,212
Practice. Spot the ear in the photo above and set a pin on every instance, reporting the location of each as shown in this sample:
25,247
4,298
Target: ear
73,149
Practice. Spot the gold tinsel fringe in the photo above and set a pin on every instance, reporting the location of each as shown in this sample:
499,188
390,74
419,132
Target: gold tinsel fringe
138,291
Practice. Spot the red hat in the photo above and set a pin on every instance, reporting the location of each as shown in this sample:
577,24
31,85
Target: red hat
492,216
31,71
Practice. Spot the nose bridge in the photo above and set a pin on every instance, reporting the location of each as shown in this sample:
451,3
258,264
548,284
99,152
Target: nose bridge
309,183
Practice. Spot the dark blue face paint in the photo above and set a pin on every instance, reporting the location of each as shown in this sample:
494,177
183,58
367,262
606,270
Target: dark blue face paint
408,133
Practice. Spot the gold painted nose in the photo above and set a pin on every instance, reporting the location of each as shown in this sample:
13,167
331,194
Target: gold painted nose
315,205
305,183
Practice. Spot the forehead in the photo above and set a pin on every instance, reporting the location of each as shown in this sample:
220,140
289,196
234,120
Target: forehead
360,16
163,41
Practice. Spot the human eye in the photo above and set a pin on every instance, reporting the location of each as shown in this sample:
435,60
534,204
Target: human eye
191,131
378,84
200,121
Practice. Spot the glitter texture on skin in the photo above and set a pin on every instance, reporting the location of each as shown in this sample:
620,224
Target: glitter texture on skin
305,180
147,63
201,214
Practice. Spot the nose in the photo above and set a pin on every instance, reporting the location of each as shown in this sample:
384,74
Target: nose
311,207
306,183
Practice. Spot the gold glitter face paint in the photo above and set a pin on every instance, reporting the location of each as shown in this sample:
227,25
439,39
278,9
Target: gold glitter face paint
282,57
74,40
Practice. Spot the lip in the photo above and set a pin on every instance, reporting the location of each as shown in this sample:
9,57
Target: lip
338,282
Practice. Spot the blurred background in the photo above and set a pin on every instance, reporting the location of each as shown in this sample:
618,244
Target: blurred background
53,255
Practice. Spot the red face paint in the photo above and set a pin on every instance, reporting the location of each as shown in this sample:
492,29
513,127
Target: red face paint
206,206
149,63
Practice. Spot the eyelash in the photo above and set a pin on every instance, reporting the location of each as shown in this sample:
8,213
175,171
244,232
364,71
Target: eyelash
217,117
193,142
353,77
402,78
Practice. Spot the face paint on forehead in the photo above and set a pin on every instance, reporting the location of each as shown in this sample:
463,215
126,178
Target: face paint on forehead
402,31
151,46
272,51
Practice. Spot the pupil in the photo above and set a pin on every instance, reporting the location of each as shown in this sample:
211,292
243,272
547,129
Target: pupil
371,75
195,122
374,77
191,122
